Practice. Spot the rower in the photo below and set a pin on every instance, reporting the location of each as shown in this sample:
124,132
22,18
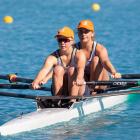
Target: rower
98,63
57,62
64,66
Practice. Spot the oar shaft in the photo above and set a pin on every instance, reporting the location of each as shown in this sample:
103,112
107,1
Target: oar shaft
117,93
24,80
114,83
4,77
16,79
130,76
21,86
17,95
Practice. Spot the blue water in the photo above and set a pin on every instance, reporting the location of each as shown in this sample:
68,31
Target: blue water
25,44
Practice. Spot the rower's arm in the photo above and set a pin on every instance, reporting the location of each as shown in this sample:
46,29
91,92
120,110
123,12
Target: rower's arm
47,77
103,55
81,62
48,65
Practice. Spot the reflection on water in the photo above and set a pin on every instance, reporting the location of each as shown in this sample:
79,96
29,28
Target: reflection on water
92,123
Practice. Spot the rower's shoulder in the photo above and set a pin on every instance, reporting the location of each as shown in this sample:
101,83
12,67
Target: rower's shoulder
77,45
100,47
80,53
54,53
52,58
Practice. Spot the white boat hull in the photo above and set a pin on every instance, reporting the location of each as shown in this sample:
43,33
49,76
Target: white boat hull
49,116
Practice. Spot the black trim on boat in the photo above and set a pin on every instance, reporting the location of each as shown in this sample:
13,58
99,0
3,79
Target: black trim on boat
52,103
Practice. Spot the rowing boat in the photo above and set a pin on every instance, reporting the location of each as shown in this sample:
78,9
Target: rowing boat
46,116
49,113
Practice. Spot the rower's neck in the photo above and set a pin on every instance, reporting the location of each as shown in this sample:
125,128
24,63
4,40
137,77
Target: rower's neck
68,52
87,45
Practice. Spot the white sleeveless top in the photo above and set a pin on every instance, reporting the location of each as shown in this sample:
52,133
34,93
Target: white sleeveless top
60,62
78,46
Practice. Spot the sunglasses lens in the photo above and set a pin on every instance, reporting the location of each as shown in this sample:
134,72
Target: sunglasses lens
63,40
81,31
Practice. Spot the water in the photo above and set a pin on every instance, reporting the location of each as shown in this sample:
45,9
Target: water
25,44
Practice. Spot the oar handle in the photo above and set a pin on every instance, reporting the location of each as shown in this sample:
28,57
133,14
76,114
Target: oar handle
130,76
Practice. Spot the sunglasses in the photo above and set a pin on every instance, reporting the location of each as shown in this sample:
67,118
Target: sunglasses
81,31
65,40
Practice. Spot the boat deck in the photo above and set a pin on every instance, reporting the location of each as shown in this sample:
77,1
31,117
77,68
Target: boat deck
49,103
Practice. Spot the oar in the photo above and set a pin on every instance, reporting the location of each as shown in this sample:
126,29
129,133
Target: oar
21,86
115,88
17,95
114,83
130,76
98,91
15,78
117,93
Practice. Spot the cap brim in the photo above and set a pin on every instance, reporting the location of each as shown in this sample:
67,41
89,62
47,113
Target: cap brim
56,36
84,27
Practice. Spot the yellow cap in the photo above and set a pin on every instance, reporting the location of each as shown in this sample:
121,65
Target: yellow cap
66,32
87,24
